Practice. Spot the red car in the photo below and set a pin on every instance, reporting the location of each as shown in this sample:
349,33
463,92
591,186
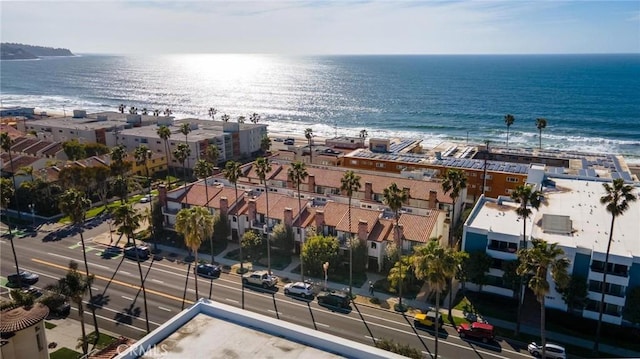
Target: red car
477,331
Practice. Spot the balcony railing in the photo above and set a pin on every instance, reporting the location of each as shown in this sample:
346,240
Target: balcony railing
510,248
618,273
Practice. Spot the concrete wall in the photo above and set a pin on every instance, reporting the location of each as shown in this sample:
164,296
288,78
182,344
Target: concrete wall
28,343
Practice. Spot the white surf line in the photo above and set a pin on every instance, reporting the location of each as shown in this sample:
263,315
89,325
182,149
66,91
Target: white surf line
91,264
165,309
323,325
127,298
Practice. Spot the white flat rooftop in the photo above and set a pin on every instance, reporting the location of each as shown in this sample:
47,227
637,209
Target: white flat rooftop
590,221
210,329
502,218
207,337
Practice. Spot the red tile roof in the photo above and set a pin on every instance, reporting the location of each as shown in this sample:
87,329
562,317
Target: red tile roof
418,228
16,319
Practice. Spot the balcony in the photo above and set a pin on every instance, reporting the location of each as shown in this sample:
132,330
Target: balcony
616,270
500,246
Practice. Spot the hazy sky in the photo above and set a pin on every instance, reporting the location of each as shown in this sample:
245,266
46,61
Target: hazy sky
325,27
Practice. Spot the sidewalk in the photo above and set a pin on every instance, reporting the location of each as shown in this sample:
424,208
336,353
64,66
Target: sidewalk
364,296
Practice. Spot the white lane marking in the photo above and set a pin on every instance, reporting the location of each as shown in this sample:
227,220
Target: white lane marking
157,280
127,298
124,272
165,309
75,259
95,288
231,300
322,325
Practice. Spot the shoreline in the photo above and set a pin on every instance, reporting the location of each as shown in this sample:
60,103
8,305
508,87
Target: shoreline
632,162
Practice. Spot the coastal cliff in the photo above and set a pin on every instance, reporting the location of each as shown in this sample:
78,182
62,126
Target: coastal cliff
12,51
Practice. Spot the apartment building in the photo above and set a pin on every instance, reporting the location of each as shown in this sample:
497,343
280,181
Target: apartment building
572,216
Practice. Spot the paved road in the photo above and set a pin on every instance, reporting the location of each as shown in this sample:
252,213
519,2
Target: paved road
122,309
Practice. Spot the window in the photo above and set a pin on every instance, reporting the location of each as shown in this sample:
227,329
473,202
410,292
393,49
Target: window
235,219
380,165
354,162
488,177
374,245
512,179
157,142
502,246
611,289
614,269
39,341
508,191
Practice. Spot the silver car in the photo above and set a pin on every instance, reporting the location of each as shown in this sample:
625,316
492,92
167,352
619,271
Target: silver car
303,290
553,351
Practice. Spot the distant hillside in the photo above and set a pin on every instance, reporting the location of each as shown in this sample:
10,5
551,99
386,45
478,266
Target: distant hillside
11,51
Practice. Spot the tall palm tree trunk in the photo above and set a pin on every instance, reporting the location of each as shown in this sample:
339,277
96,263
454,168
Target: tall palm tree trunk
144,290
92,306
85,344
301,236
437,322
350,254
507,136
235,185
522,289
195,273
596,343
206,193
15,257
15,188
453,224
543,338
266,222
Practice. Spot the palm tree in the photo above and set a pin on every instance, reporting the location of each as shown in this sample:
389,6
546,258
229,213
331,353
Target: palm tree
363,134
196,225
254,118
212,112
203,170
537,262
296,174
265,143
350,182
133,110
454,181
121,108
526,196
167,111
165,133
127,219
241,119
263,167
185,129
308,134
5,143
541,124
617,199
75,205
225,118
212,154
7,193
394,197
509,120
75,286
435,265
181,154
145,111
143,155
232,172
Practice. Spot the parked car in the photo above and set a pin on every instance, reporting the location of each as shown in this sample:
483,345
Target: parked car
428,319
478,331
58,305
305,290
289,141
32,291
209,270
553,351
334,298
25,278
260,278
143,252
145,199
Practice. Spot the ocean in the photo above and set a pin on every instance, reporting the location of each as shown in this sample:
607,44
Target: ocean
591,102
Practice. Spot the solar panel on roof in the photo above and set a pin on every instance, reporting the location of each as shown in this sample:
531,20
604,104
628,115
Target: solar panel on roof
626,176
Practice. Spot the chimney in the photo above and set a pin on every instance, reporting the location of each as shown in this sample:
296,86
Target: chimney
319,221
224,206
288,217
362,230
252,210
162,195
397,234
433,199
368,191
311,184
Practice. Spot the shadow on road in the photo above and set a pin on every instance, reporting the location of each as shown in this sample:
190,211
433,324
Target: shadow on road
127,315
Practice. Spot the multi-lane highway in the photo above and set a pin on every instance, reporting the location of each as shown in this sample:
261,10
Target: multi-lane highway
122,311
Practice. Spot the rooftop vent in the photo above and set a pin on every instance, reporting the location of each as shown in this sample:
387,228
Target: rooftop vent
553,223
